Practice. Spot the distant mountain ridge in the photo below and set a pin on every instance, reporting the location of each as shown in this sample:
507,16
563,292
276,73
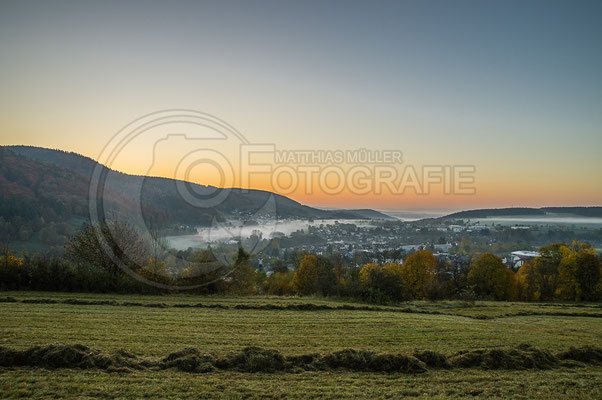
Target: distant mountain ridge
594,211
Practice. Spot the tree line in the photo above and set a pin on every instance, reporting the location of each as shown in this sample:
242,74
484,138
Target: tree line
561,272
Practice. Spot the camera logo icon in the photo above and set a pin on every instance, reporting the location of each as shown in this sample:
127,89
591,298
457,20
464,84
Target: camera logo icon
189,168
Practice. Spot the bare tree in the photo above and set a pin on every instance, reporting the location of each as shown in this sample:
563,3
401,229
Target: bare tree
103,246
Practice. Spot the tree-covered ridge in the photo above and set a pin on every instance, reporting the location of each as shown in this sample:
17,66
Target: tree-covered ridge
44,197
43,202
524,211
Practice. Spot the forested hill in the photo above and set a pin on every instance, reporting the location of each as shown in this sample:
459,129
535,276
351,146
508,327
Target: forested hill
583,211
44,196
43,202
520,211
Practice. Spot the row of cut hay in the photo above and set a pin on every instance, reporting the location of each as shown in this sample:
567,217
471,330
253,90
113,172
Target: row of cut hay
290,307
256,359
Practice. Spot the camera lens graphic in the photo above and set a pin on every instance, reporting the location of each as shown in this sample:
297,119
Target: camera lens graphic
207,146
211,197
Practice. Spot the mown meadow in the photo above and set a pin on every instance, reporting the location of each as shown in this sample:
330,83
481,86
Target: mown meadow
526,347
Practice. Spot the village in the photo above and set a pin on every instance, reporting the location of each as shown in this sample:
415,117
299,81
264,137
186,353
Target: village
391,241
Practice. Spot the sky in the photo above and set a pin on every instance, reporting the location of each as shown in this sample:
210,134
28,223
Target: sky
513,88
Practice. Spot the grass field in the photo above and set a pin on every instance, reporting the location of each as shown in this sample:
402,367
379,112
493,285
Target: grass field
166,326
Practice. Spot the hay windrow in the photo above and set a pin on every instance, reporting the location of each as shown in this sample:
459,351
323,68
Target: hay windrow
586,354
8,299
523,357
78,302
433,359
361,360
294,307
551,314
189,360
65,356
39,301
256,359
253,359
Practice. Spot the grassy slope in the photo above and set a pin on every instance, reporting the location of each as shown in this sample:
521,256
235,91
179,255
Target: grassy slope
154,332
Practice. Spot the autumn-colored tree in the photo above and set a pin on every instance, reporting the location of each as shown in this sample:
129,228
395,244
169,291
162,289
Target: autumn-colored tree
204,270
279,283
538,278
417,272
578,274
393,284
8,259
526,282
589,274
368,274
490,277
545,270
155,267
567,272
11,268
339,270
393,269
382,284
327,277
305,280
451,279
244,279
155,270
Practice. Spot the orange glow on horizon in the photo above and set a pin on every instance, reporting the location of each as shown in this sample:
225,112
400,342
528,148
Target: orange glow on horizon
509,193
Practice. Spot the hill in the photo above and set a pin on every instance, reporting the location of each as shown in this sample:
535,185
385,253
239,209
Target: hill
42,203
522,211
44,197
582,211
362,213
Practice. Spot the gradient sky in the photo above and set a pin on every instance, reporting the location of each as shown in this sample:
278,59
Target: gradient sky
512,87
